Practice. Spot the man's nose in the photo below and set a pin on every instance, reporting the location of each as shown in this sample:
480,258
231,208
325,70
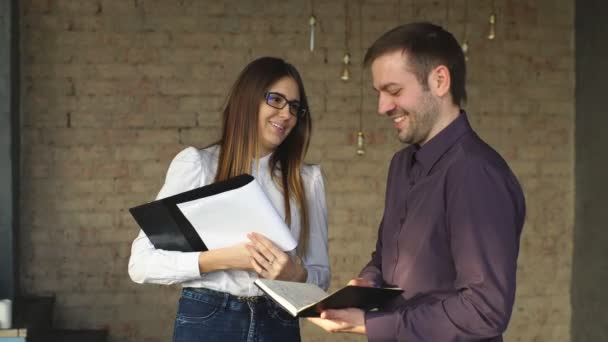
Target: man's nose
385,104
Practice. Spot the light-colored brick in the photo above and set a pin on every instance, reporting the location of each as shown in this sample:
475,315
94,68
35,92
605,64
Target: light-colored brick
112,90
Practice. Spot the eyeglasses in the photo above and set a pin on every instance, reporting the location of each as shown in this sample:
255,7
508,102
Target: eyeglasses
279,101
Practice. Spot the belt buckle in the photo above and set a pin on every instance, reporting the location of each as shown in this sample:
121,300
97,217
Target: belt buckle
249,299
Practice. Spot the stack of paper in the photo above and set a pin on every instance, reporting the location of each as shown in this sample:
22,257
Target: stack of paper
213,216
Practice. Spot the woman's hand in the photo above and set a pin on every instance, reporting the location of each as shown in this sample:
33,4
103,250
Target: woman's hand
271,262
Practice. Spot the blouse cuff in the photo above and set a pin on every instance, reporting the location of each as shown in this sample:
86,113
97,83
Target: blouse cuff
317,277
187,265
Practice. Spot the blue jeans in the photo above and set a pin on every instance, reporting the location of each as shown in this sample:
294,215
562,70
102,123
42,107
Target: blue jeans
207,315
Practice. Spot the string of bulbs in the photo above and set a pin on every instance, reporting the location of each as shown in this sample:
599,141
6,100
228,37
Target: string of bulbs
345,74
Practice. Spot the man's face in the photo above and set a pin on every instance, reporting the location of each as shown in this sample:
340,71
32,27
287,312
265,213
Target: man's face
410,106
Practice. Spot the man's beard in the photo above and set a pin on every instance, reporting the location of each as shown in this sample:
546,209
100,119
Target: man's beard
422,120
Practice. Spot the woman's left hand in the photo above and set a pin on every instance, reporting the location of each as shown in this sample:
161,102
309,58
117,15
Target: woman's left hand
271,262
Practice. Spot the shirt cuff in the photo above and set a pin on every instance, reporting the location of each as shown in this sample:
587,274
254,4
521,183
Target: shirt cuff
380,326
373,276
187,265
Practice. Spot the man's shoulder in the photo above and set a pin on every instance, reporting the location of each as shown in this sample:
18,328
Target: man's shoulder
472,151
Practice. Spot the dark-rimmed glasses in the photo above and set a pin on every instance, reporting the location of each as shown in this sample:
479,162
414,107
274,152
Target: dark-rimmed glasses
279,101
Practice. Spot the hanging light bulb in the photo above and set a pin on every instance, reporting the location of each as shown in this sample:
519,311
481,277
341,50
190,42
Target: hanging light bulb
465,42
465,49
345,75
312,21
360,136
492,33
360,144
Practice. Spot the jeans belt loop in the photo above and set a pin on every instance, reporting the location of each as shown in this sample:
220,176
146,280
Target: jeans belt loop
225,301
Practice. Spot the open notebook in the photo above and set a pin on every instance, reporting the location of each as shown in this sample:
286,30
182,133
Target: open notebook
309,300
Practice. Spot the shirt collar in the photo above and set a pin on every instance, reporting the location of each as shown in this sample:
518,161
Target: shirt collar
262,164
266,158
432,151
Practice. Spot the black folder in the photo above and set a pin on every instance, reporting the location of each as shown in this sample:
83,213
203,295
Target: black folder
166,226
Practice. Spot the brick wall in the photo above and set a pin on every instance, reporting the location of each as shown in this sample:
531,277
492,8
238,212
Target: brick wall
113,89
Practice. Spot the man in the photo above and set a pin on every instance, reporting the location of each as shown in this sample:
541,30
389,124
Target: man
453,213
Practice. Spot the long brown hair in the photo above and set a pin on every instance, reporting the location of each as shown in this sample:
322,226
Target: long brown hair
239,144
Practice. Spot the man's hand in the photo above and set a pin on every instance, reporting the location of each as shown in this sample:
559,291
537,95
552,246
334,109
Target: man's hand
349,320
361,282
341,321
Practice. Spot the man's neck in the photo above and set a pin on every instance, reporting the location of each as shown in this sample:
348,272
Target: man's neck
446,117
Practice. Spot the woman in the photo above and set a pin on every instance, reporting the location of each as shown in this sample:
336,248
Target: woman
266,131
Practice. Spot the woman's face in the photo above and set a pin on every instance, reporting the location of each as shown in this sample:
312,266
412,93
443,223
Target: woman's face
274,124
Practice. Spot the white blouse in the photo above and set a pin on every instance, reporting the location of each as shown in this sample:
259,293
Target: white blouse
193,168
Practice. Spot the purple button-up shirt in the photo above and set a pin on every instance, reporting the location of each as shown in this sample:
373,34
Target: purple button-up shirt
449,237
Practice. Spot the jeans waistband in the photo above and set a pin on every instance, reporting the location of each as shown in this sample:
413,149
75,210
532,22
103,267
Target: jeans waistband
222,298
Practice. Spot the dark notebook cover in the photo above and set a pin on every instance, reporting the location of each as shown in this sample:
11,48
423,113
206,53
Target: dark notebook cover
166,226
308,300
365,298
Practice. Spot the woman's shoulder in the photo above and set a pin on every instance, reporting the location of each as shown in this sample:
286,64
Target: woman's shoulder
210,153
310,171
194,157
189,154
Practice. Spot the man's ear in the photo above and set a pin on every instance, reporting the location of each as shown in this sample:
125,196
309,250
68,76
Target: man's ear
440,81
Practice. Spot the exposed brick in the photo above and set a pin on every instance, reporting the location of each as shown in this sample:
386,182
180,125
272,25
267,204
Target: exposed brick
112,90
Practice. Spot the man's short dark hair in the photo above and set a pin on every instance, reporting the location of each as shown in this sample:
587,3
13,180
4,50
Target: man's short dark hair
427,47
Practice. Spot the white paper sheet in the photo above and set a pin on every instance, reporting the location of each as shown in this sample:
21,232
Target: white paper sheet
225,219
